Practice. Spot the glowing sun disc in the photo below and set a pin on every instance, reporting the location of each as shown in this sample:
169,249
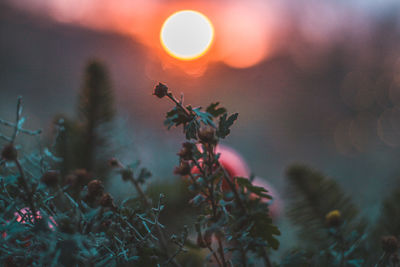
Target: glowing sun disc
187,34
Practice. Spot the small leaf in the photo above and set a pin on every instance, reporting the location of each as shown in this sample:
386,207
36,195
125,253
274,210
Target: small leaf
224,124
214,110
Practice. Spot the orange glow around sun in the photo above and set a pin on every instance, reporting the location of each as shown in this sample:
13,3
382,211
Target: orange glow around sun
187,34
179,36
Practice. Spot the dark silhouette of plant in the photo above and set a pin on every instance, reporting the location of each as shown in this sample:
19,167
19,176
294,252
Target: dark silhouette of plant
85,142
233,225
46,222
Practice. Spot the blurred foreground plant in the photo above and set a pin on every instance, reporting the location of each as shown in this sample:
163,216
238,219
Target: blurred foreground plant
45,222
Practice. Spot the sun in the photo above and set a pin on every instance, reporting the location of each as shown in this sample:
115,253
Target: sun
187,34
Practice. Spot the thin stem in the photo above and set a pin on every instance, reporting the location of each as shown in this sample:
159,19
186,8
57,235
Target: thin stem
233,188
147,204
214,254
26,189
221,252
383,259
178,104
267,261
16,128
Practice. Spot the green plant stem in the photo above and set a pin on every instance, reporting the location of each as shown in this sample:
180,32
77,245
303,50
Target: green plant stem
178,104
28,192
147,204
221,252
267,261
214,254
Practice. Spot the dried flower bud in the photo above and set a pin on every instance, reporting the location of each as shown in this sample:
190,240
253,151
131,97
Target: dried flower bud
333,218
200,242
113,162
186,152
50,178
65,225
183,168
78,178
160,90
207,135
208,237
127,174
107,200
9,153
95,188
390,244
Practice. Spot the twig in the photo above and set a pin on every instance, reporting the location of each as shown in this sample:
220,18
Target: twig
26,189
178,104
147,204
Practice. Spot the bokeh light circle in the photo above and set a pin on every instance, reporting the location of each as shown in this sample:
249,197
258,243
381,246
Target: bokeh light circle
187,34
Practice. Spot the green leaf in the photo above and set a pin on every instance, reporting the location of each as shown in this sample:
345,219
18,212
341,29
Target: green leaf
259,191
204,117
214,110
175,117
225,123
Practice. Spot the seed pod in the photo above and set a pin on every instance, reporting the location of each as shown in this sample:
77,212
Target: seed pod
126,174
183,168
50,178
114,163
186,153
78,178
9,153
200,242
390,244
208,237
95,188
107,200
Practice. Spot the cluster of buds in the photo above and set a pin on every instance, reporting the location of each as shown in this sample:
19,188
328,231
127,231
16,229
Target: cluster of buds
107,201
78,178
51,178
186,153
183,169
95,189
390,244
9,153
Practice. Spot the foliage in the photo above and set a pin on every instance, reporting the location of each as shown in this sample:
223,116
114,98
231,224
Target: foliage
63,216
85,142
330,228
46,222
233,226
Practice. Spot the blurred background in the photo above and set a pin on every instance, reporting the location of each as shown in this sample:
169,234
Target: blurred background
314,82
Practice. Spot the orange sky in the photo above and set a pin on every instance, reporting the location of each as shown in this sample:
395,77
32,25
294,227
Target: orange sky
243,29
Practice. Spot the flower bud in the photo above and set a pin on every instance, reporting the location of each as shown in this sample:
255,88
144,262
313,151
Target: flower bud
78,178
333,218
50,178
183,168
114,163
207,135
186,153
390,244
208,237
160,90
9,153
107,200
200,242
95,188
